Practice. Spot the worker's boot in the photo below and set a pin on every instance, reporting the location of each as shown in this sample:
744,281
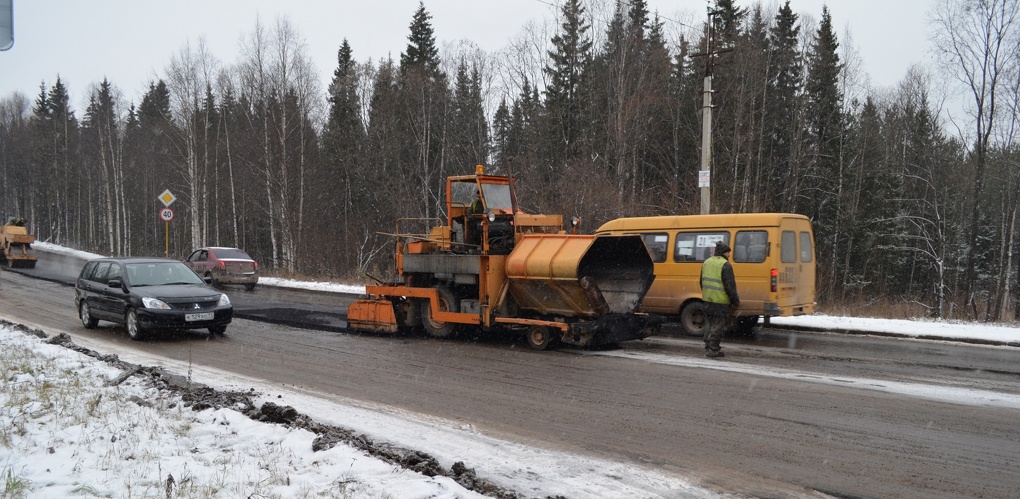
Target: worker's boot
713,349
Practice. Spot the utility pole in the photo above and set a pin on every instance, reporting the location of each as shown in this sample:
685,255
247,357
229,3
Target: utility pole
705,173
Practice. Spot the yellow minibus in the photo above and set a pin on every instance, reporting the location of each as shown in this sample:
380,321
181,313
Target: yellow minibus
773,261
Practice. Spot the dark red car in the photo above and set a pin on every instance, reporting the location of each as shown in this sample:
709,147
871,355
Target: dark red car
225,266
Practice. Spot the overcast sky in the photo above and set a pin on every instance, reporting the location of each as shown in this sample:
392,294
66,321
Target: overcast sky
130,42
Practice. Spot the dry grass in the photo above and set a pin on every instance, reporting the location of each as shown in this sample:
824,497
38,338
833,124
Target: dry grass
899,308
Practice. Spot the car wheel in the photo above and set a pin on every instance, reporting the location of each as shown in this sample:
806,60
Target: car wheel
85,313
218,330
133,328
693,319
249,287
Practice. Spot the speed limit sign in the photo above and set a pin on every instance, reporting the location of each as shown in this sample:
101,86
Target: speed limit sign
166,214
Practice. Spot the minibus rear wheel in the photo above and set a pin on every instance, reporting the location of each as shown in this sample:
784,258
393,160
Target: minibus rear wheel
692,318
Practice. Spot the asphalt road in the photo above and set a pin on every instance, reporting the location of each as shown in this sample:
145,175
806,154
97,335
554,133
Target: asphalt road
785,413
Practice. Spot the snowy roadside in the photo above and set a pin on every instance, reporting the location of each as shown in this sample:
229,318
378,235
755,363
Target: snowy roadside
72,424
67,428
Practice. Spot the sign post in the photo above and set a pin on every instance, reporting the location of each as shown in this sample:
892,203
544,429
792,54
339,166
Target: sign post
166,215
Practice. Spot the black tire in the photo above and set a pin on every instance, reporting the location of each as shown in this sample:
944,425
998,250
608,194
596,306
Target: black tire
217,330
745,325
85,314
134,329
693,319
447,303
249,287
540,337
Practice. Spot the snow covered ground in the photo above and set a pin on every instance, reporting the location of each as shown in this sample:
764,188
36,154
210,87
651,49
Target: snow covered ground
66,431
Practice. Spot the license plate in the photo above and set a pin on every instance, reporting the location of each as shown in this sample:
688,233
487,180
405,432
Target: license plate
205,316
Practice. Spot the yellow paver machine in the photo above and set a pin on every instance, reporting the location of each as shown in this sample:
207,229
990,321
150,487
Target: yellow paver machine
493,268
16,241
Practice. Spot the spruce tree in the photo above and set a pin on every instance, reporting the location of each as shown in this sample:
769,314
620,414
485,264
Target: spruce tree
824,184
469,130
424,104
500,134
824,97
785,86
341,181
421,51
565,99
343,132
56,157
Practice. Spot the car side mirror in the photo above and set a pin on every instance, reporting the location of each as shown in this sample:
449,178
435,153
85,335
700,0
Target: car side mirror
207,279
117,283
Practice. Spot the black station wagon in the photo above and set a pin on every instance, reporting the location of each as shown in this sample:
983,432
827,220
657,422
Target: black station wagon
149,294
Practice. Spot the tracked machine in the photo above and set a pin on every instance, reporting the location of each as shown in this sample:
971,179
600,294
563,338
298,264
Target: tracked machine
16,241
493,268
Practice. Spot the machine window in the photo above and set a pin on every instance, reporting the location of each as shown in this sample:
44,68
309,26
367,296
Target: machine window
497,196
462,193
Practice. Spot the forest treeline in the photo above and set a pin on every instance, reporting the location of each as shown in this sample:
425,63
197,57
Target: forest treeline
600,119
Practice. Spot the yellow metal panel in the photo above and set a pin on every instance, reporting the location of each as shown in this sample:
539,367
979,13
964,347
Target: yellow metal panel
372,315
548,256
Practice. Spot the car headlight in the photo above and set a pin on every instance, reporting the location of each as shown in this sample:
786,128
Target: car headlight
154,303
224,301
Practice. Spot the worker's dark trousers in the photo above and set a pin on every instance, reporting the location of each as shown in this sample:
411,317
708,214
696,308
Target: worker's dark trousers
717,320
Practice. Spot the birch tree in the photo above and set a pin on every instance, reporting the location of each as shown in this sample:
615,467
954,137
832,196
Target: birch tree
277,73
977,42
189,75
102,131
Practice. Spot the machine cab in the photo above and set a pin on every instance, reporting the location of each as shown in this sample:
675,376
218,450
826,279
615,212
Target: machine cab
480,213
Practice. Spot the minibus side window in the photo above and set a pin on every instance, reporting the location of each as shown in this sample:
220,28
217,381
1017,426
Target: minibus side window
657,245
806,252
697,246
750,246
788,253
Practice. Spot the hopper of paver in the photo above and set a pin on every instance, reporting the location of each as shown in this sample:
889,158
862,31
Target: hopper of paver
573,275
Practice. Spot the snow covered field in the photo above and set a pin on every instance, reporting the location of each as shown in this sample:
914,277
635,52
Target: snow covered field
66,430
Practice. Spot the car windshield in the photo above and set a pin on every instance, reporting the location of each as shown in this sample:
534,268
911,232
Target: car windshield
233,253
161,274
